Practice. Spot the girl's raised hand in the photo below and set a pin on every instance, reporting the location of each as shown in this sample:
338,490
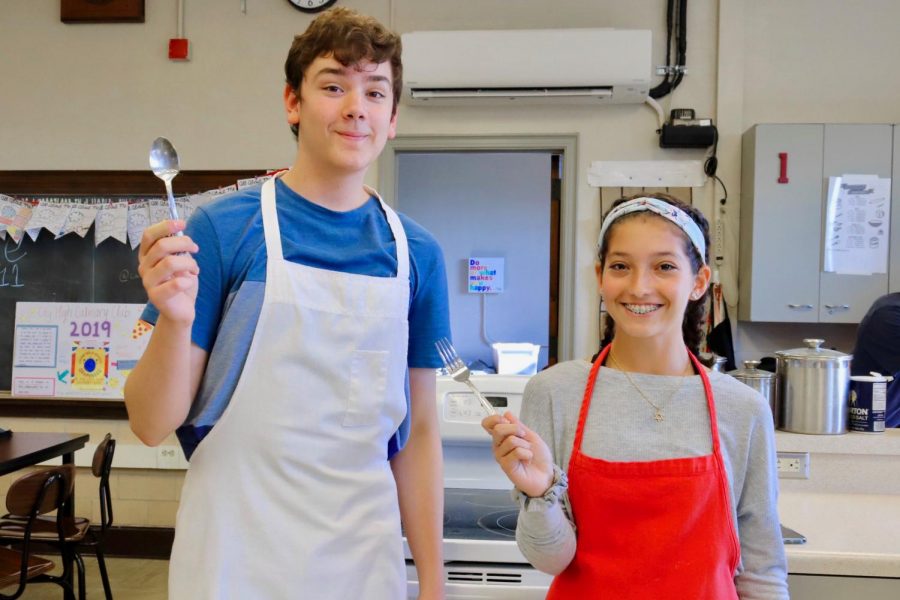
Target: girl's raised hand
168,271
521,453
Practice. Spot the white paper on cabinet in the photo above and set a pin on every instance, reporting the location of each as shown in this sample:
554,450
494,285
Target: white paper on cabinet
857,224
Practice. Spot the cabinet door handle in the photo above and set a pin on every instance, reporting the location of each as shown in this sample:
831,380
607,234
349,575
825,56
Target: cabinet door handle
833,307
802,306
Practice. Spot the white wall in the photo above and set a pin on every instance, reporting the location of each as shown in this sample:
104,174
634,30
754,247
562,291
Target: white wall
94,96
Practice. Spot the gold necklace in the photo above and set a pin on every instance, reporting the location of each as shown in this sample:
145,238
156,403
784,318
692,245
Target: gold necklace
658,416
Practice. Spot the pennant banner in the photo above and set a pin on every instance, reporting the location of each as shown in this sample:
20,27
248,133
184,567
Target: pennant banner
121,219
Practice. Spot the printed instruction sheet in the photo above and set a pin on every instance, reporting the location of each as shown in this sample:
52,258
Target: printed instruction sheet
857,224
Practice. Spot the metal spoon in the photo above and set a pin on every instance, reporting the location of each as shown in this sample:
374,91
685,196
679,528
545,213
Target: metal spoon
164,164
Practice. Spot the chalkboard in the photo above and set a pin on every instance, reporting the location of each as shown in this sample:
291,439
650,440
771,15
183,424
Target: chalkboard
71,269
68,269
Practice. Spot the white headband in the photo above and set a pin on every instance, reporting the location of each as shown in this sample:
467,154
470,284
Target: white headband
663,209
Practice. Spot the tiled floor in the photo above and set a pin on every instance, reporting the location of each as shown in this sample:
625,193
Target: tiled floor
130,579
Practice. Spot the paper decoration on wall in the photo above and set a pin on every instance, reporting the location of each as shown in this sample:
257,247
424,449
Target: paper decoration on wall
138,220
79,219
251,181
121,219
485,275
47,214
14,216
159,210
76,349
112,222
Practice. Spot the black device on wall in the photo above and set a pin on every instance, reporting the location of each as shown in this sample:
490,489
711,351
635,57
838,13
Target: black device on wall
684,130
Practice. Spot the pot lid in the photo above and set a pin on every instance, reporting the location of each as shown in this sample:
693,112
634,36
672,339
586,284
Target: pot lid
813,352
750,371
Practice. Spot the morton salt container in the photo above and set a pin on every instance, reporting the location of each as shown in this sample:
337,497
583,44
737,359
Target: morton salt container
868,402
812,389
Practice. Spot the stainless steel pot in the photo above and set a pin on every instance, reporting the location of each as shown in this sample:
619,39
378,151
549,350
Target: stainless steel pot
761,381
812,388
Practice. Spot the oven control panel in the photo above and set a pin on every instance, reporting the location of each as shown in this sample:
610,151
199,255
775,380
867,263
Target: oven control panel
463,407
461,413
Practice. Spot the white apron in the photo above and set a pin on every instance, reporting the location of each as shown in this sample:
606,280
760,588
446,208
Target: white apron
291,494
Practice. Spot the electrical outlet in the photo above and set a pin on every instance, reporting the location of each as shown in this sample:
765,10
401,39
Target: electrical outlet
169,457
793,465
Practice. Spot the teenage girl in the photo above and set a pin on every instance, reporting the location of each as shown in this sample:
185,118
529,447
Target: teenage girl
643,474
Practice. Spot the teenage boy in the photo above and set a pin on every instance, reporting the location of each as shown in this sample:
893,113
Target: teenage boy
293,354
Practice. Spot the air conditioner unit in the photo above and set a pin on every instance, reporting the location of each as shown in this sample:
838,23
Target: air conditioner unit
574,66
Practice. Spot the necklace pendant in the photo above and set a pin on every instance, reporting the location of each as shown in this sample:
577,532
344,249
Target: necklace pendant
658,417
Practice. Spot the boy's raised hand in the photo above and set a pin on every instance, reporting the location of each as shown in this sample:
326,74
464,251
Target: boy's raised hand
521,453
168,271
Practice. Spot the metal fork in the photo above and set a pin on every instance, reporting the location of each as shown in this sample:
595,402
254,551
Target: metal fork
458,370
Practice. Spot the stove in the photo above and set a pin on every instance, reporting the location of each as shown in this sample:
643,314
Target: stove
481,558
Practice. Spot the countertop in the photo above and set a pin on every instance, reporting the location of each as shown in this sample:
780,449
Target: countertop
849,510
847,534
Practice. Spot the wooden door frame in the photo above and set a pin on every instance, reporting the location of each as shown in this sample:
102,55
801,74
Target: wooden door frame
565,145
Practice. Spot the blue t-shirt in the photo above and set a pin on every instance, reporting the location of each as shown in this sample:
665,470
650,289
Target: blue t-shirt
232,261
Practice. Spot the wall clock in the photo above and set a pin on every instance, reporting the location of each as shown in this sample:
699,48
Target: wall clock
311,6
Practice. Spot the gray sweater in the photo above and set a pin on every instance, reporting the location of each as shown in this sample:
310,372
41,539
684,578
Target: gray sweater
620,427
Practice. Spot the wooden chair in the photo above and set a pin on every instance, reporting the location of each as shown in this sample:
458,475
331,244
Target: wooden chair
77,531
30,497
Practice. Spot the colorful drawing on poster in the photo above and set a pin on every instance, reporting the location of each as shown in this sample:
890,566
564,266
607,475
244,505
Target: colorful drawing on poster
140,328
90,366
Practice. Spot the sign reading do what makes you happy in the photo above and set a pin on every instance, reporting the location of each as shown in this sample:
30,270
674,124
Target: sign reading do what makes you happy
76,349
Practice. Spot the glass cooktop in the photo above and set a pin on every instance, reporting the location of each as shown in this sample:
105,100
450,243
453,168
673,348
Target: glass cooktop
478,514
475,514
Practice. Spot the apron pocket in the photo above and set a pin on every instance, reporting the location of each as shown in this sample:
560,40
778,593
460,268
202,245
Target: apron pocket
368,383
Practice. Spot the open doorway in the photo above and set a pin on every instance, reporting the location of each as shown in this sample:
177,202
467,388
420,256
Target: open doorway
508,198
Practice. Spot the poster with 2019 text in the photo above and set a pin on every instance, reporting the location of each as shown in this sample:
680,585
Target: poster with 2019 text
76,349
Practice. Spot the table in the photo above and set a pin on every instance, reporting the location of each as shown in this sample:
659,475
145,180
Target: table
24,448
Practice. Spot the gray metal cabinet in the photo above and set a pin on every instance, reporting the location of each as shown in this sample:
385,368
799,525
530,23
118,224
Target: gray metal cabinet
781,223
784,185
862,149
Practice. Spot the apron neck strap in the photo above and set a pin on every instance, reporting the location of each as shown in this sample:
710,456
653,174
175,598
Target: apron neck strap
589,393
398,232
710,405
270,220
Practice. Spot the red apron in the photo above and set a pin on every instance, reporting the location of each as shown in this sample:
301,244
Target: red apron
650,530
